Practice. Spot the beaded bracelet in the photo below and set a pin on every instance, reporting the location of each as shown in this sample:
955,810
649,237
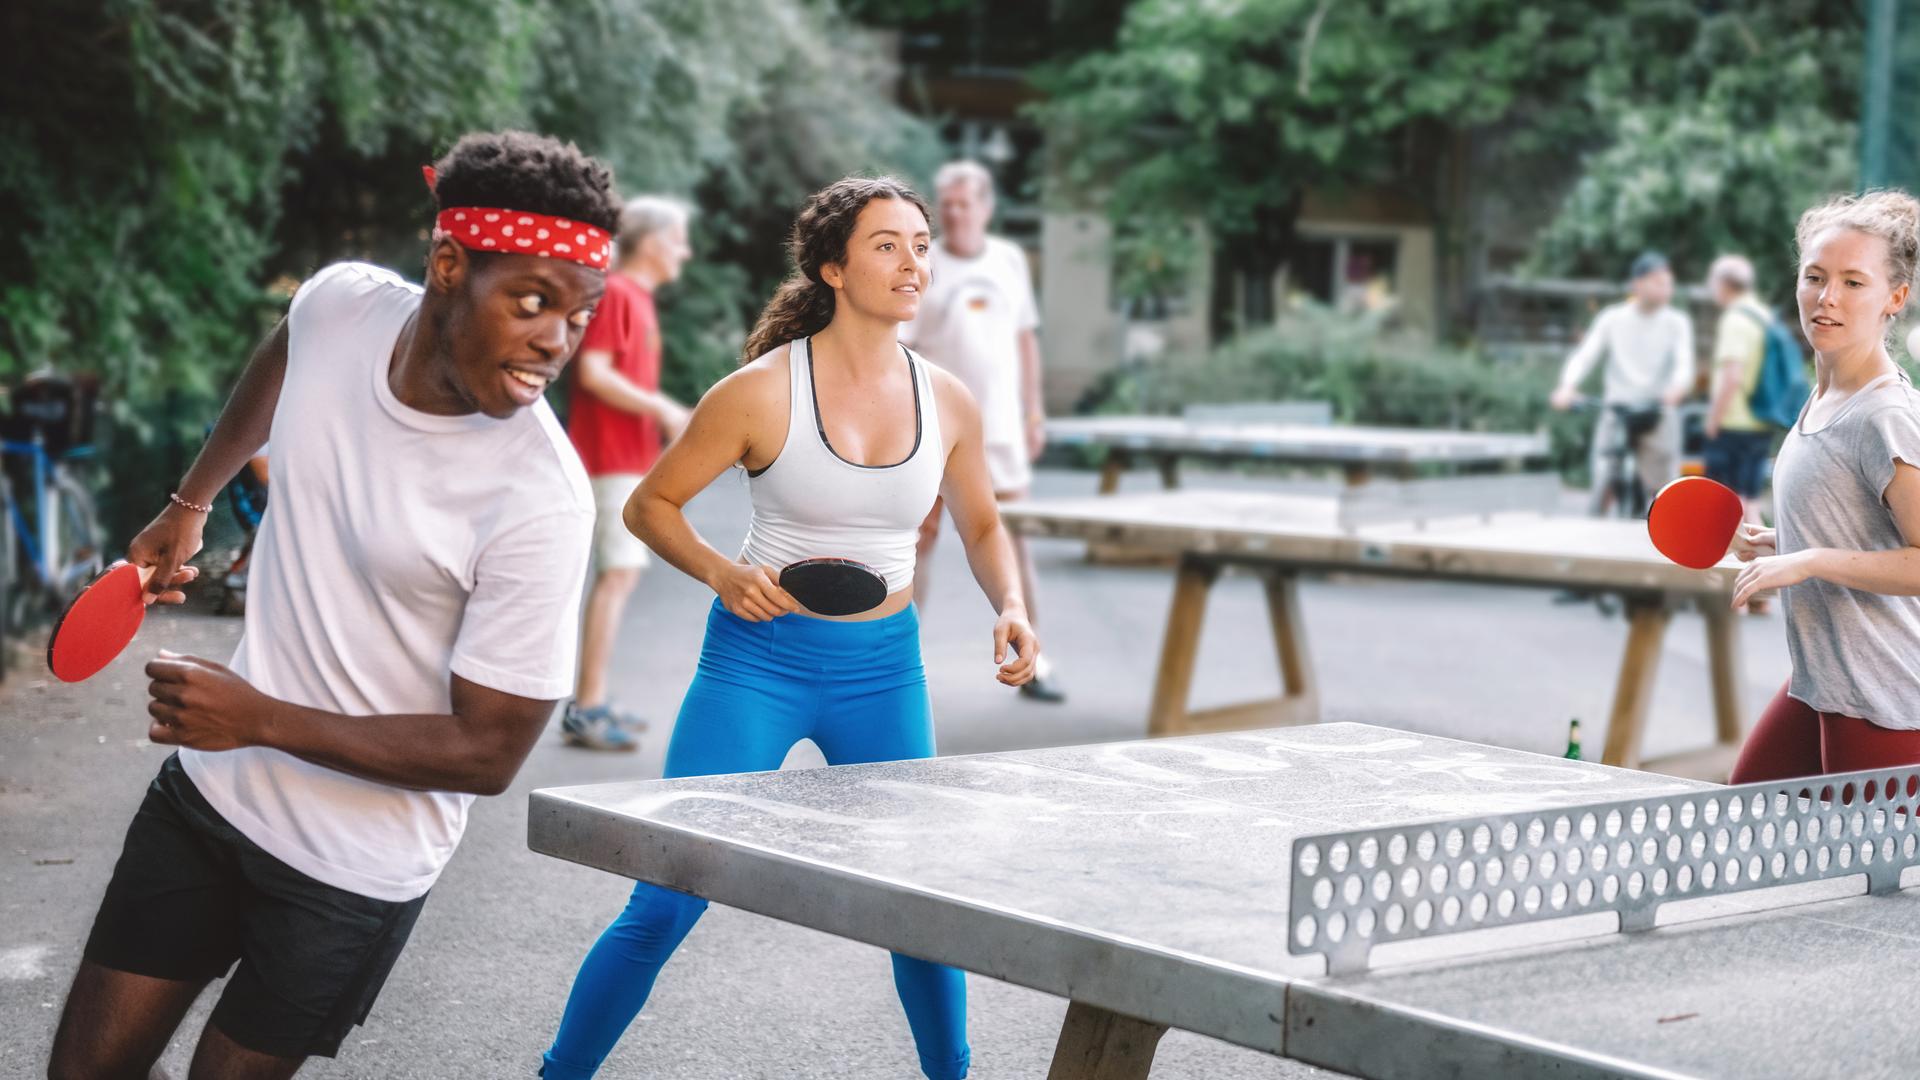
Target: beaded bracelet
195,507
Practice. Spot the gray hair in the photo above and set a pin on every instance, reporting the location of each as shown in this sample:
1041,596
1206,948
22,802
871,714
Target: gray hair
646,215
1734,270
964,169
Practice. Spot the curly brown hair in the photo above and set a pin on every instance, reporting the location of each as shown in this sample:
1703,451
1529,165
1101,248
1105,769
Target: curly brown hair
803,305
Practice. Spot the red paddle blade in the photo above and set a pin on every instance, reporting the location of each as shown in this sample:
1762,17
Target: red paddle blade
97,625
1693,521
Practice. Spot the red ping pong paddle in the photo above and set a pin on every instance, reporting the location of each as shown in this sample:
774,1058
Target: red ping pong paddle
834,586
1693,521
99,623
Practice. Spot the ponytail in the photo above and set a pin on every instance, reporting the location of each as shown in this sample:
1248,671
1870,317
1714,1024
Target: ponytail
800,308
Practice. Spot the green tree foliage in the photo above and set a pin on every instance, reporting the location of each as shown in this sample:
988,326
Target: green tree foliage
1231,112
1752,121
165,163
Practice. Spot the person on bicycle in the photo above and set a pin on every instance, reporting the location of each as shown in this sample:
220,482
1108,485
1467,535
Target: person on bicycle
1648,347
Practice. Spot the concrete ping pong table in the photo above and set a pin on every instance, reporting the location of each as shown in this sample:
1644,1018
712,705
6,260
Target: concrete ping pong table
1281,537
1250,886
1359,452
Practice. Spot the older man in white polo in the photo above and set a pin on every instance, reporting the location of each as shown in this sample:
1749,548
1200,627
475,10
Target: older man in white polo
979,321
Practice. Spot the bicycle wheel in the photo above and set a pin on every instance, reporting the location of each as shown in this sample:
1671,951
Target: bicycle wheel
78,555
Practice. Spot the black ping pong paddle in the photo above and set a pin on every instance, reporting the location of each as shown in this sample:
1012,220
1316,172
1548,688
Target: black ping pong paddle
834,586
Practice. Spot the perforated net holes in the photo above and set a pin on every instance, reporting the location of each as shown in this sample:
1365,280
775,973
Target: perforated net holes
1613,823
1649,850
1710,812
1437,877
1746,837
1531,899
1351,889
1800,861
1425,845
1844,856
1304,930
1504,903
1382,885
1323,893
1455,843
1697,844
1509,836
1584,891
1660,881
1673,847
1637,820
1309,859
1709,873
1721,840
1687,815
1466,875
1778,864
1790,833
1395,919
1683,878
1336,926
1662,817
1496,870
1450,910
1575,859
1363,922
1521,867
1536,832
1557,895
1757,806
1549,863
1598,856
1482,839
1636,884
1369,852
1396,849
1423,914
1337,856
1736,808
1562,829
1822,858
1587,826
1409,882
1767,835
1477,907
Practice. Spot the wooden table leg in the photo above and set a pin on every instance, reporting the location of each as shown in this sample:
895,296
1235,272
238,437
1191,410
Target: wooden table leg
1192,582
1169,471
1626,729
1723,661
1112,469
1297,684
1099,1045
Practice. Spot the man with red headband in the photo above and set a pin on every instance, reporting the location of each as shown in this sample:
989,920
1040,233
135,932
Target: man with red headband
409,628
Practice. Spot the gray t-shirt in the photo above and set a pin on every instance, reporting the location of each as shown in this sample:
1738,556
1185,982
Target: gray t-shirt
1854,653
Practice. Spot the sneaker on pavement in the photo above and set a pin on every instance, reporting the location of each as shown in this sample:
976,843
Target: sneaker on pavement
595,729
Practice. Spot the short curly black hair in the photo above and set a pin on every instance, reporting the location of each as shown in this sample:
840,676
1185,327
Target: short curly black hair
518,170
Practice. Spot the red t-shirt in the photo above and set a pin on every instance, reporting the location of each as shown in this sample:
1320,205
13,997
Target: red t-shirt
609,440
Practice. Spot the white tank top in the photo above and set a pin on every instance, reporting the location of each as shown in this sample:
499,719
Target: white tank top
811,503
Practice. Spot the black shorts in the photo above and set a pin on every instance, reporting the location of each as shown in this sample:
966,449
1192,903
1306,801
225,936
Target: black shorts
1738,459
191,895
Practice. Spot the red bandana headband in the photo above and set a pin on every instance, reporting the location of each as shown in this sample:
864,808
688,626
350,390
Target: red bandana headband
518,232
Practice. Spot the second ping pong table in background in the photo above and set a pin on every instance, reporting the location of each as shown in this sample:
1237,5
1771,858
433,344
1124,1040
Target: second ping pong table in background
1281,537
1359,452
1251,886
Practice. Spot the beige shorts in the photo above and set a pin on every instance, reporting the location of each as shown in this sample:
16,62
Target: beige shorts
614,548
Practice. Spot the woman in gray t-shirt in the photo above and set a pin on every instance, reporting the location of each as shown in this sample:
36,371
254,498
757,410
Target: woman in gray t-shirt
1846,551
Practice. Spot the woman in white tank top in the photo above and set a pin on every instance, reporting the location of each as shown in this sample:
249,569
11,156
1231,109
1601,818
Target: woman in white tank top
846,437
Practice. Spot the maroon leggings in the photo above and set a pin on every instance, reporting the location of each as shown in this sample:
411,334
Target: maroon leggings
1792,740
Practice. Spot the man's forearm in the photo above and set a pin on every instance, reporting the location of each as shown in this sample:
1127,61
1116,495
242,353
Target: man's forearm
244,423
1030,374
425,752
622,393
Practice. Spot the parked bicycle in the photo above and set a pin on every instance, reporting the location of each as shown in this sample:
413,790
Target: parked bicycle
51,543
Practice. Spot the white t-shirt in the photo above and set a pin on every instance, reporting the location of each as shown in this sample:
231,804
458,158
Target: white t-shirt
399,548
1647,354
969,323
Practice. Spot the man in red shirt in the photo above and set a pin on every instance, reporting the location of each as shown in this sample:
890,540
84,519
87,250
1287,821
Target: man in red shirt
617,419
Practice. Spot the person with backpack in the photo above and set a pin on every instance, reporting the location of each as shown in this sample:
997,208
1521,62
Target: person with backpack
1738,442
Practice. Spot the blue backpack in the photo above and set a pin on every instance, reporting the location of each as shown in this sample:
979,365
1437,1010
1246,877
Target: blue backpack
1781,390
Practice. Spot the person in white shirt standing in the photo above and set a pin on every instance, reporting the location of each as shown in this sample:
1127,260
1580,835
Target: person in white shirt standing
1648,348
410,626
980,322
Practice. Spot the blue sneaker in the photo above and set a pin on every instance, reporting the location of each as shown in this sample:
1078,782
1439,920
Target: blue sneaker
598,728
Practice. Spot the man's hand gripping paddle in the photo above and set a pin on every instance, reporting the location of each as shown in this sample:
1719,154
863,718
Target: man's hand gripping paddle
834,586
99,623
1693,521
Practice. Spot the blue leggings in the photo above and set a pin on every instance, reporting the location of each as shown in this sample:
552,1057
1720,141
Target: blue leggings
858,691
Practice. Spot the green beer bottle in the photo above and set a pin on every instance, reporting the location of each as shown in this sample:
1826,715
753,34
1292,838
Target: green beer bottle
1573,740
